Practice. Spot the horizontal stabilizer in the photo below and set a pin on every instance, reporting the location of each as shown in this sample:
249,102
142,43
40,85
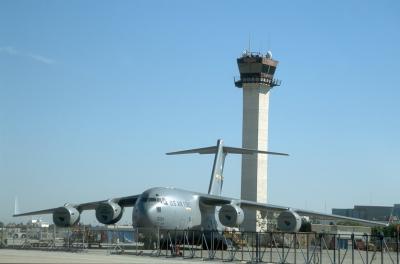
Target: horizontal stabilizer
232,150
220,151
208,150
251,151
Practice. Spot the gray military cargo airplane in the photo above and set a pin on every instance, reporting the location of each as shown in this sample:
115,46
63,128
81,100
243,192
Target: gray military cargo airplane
170,209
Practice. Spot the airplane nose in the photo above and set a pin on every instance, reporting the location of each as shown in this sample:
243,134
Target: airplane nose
144,215
151,215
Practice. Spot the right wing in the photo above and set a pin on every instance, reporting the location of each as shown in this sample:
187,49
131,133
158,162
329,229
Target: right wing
127,201
213,200
277,208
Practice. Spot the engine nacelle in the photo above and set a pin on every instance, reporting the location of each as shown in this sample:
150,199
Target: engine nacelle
109,213
231,215
289,221
66,216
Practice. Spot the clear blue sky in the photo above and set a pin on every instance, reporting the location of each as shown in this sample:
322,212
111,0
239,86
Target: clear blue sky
93,93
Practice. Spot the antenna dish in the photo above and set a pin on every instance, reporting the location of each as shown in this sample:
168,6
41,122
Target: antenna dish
268,55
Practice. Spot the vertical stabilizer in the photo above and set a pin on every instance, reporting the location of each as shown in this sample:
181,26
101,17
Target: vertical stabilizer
217,177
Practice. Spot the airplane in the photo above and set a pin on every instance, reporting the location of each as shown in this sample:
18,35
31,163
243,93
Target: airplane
176,209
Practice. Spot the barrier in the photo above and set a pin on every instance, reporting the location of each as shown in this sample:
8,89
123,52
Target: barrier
232,246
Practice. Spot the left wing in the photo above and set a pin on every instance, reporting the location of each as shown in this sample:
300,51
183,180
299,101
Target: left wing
127,201
277,208
213,200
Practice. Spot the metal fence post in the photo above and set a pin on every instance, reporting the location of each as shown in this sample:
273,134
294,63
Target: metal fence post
339,249
315,245
242,246
257,246
185,235
270,247
158,240
175,243
397,246
222,245
352,248
202,237
295,248
212,244
334,248
308,247
193,244
381,242
83,238
320,248
252,246
168,241
283,246
367,248
137,239
54,236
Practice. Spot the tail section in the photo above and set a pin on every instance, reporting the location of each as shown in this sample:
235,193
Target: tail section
217,178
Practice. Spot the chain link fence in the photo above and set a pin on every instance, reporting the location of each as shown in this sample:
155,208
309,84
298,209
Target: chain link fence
267,247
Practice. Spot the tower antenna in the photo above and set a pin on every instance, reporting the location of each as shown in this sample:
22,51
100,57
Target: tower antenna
249,43
16,207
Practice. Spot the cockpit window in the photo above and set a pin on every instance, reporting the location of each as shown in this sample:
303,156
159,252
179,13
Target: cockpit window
148,199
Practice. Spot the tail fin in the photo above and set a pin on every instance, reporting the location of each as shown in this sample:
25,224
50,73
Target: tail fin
217,178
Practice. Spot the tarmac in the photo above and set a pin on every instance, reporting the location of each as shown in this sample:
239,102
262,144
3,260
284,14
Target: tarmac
91,256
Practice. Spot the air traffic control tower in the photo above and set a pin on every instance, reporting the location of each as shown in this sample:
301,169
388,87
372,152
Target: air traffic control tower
256,79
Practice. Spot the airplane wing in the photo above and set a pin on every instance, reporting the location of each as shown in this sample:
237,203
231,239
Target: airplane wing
213,200
127,201
301,212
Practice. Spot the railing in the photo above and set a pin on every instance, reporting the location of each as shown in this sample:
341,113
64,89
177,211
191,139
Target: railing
258,80
269,247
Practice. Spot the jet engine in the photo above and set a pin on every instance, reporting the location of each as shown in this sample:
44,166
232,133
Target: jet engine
231,215
108,213
289,221
66,216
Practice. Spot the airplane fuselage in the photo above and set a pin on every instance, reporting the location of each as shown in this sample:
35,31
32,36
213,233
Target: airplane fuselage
169,209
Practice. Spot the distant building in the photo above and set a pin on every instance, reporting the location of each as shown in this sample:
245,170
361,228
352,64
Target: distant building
369,212
343,212
337,236
38,223
396,210
343,231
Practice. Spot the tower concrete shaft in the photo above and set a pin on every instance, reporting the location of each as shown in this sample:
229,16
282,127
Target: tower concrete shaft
255,136
256,80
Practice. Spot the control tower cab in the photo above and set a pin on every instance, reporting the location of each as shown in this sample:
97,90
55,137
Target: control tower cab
256,68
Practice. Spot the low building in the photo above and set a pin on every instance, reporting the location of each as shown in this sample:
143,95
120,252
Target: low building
343,231
338,236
